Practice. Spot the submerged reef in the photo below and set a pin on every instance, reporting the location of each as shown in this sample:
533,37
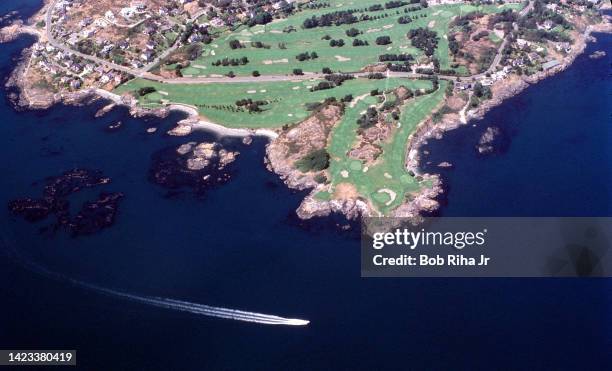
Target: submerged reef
197,166
93,215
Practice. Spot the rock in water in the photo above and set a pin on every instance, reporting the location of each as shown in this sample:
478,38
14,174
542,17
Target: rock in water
93,217
486,141
96,215
193,165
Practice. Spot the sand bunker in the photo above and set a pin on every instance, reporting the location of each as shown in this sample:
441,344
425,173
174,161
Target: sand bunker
340,58
269,61
392,195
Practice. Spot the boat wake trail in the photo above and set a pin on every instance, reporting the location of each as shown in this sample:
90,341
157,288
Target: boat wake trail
167,303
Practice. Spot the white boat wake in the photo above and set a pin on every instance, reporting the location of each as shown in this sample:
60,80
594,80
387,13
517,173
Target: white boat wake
167,303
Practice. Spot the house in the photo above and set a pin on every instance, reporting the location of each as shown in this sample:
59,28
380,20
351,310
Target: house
110,16
128,12
563,46
522,43
463,85
547,25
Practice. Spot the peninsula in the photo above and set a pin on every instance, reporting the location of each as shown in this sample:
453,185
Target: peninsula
347,91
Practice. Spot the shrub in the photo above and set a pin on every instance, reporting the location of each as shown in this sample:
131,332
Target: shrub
383,40
235,44
316,160
146,90
352,32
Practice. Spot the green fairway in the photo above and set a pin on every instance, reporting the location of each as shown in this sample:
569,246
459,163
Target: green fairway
287,100
389,173
280,57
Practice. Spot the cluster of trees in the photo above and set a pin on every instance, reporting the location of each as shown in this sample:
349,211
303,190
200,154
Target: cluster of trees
358,42
395,57
260,18
482,92
507,15
395,4
353,32
453,45
336,43
463,21
404,19
540,14
251,105
480,35
424,39
316,160
260,45
376,76
399,67
383,40
348,16
235,44
314,5
336,18
306,56
331,81
231,62
368,119
414,8
145,90
338,78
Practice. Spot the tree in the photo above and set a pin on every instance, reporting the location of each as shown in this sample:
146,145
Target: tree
383,40
316,160
352,32
256,73
235,44
326,70
298,71
145,90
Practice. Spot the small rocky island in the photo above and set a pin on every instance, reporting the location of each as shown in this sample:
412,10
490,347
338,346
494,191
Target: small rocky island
198,166
490,141
93,216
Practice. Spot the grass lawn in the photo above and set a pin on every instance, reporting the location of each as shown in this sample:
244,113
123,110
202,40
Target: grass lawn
277,60
287,100
389,173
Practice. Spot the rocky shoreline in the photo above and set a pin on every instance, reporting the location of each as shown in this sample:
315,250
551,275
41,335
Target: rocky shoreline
507,89
423,201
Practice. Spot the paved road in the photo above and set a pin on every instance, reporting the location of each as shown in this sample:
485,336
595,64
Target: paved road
142,73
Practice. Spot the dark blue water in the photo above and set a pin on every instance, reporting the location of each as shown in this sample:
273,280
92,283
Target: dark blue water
557,155
240,246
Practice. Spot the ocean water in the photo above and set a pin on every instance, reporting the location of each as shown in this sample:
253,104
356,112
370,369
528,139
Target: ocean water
241,246
556,149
